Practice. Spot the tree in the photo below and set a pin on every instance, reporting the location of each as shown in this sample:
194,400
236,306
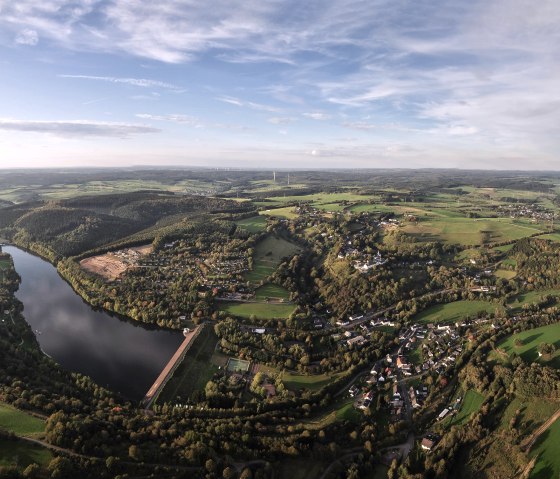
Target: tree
228,473
246,474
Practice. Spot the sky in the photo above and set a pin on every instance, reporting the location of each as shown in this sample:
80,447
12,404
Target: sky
280,83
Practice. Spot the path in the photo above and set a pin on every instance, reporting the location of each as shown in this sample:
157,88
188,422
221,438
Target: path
168,370
527,444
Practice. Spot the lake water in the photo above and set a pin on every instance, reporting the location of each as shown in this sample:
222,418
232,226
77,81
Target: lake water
123,356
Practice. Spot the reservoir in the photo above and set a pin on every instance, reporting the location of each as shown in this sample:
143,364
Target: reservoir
121,355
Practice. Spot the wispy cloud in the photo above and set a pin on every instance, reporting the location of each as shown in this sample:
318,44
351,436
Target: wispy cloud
184,119
317,115
27,37
281,120
139,82
248,104
77,129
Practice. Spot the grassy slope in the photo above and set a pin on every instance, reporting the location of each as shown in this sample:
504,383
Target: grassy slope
267,255
548,462
531,340
22,454
471,403
255,224
451,312
271,291
19,422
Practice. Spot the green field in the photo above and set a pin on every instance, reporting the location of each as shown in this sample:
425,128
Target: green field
505,274
20,422
21,454
267,255
548,462
295,382
456,311
196,369
287,212
531,340
272,291
532,297
259,310
255,224
471,403
468,231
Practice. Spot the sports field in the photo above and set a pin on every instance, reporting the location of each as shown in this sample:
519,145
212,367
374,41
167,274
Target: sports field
259,310
237,365
531,340
456,311
20,422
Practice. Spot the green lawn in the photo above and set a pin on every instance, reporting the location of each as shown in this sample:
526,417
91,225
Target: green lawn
255,224
456,311
260,310
20,422
548,463
505,274
272,291
21,454
195,370
471,403
267,255
531,340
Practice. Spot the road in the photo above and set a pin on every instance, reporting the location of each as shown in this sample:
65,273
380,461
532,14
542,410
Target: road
527,444
169,368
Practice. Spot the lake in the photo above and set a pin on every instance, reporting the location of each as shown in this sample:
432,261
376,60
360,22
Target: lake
121,355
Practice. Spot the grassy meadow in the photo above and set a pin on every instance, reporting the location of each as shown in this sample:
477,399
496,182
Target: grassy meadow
19,422
530,343
267,255
456,311
259,310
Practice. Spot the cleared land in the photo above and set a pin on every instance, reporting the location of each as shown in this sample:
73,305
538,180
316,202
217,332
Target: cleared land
111,265
456,311
314,382
20,422
267,255
196,369
255,224
532,297
287,212
259,310
530,343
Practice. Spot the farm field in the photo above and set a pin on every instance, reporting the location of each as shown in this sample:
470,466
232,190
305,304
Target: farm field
272,291
196,369
286,212
321,198
467,231
259,310
21,454
20,422
255,224
456,311
531,340
471,403
267,255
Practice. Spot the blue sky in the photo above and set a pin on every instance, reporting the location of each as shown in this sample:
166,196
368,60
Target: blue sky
337,83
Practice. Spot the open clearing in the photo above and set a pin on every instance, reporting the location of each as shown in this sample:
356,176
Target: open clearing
259,310
267,255
531,340
22,454
456,311
111,265
196,369
471,403
532,297
287,212
20,422
295,382
255,224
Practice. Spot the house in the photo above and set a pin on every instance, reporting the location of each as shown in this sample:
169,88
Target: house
429,442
